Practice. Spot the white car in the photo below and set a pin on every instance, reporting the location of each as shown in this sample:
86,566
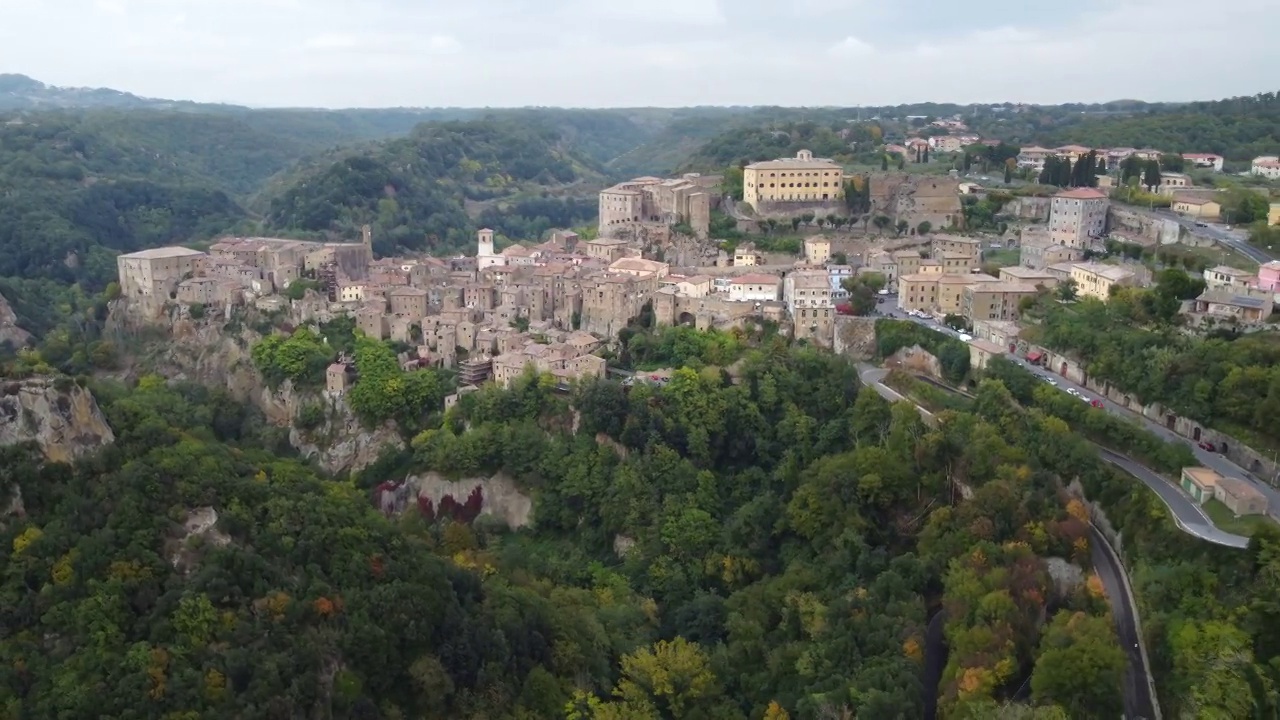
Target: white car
1073,392
1052,382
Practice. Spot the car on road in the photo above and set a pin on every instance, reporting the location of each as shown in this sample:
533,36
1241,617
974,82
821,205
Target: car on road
1200,224
1096,403
1206,445
1051,381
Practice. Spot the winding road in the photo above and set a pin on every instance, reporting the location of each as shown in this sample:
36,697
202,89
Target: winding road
1139,691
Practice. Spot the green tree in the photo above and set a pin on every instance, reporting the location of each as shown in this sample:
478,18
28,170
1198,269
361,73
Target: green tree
1080,666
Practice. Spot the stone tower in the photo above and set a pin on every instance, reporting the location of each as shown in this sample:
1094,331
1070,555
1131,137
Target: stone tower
484,243
366,236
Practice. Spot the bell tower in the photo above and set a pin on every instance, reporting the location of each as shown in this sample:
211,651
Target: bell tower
484,243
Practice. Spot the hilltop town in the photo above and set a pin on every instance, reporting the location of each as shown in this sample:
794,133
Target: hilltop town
552,306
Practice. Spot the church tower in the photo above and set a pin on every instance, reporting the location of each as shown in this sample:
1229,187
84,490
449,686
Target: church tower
484,243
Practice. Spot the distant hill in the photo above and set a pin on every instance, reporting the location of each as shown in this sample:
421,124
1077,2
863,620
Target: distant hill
75,192
415,190
1239,129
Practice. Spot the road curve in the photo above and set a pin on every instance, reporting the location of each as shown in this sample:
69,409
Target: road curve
1139,696
1189,516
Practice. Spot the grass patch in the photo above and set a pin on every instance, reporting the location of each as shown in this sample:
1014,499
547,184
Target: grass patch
1209,256
1227,520
1005,257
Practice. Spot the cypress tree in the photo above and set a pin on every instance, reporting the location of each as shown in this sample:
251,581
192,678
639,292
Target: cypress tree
884,162
926,153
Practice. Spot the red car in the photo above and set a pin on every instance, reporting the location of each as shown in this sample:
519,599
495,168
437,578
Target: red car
1206,445
1096,403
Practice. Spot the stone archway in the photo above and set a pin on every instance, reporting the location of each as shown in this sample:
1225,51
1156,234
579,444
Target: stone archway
1195,434
687,318
1063,370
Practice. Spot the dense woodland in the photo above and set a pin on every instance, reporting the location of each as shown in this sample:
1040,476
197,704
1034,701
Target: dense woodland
767,543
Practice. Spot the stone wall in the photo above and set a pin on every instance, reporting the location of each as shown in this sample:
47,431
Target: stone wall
1260,465
855,337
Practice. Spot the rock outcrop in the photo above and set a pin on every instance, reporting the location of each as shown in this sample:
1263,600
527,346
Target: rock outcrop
55,413
205,351
342,443
466,499
9,330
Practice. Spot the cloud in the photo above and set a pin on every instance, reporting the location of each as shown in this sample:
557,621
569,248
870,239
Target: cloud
851,47
662,52
443,44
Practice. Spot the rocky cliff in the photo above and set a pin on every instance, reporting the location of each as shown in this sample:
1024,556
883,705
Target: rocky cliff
55,413
211,351
9,330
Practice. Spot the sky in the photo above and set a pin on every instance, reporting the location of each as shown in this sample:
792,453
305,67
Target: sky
606,53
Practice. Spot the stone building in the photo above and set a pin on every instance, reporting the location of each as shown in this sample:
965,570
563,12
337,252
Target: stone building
792,182
811,303
994,301
1078,217
210,291
408,301
1038,250
686,199
154,274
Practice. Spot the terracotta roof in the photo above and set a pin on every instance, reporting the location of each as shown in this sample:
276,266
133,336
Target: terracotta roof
1082,194
755,279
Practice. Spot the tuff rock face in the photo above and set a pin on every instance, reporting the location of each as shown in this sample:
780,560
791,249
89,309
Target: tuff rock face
57,414
9,330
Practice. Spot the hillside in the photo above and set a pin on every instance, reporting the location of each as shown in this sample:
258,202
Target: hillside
414,189
1237,128
78,190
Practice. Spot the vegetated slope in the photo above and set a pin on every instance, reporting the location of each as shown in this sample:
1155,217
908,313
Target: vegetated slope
766,143
122,598
1238,128
413,189
77,192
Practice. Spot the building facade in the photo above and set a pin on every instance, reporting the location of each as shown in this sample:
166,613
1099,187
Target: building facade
155,273
1078,217
1096,280
798,180
754,287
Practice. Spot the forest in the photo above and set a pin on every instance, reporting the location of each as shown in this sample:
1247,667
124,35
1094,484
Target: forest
766,541
1239,129
412,190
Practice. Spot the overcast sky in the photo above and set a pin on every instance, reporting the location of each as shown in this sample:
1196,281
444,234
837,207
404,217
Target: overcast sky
608,53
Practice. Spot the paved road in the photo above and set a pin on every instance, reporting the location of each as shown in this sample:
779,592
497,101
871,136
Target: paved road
1216,461
1189,516
1139,695
1139,698
1237,240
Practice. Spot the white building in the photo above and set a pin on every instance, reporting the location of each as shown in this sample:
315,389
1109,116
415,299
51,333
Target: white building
485,256
1267,166
1077,217
1204,160
754,287
807,289
1224,277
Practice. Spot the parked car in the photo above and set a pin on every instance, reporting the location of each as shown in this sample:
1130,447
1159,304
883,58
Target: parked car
1206,445
1096,403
